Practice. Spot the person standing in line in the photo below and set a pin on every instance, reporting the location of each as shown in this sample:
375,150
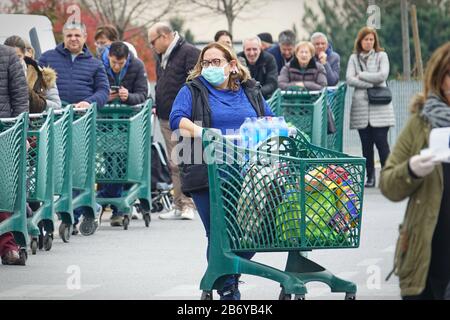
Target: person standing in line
368,67
284,50
13,102
422,255
175,59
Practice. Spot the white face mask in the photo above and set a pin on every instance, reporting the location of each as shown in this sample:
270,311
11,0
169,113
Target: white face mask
215,75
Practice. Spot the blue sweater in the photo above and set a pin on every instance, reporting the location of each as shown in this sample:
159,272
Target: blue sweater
84,79
228,108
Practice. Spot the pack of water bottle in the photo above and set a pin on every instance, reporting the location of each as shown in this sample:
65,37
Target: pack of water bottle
255,130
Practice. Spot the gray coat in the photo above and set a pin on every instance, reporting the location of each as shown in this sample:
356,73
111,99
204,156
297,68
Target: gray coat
53,99
13,84
374,73
313,76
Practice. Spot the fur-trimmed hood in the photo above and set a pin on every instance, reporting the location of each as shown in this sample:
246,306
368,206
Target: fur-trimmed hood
417,103
46,76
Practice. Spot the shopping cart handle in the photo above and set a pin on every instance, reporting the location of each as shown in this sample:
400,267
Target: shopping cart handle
237,137
80,110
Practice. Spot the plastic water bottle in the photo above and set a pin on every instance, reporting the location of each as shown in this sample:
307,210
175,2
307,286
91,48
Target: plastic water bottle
282,127
264,128
244,131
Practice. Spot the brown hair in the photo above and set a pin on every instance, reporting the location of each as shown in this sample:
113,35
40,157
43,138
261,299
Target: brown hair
108,31
362,34
15,42
235,78
436,70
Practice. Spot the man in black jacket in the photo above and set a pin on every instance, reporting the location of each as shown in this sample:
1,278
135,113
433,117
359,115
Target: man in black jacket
126,72
175,59
262,65
13,101
128,85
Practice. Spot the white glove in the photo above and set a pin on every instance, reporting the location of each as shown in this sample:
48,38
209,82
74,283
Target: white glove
422,165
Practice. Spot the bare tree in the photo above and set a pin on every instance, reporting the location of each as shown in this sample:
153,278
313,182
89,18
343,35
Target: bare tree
124,13
230,8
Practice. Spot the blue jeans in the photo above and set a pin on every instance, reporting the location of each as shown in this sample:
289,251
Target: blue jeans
78,212
201,200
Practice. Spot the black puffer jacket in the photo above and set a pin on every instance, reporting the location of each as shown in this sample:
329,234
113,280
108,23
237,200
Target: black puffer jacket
265,72
170,80
13,85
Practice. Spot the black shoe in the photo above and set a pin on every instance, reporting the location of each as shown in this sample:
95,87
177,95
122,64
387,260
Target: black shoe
370,183
75,230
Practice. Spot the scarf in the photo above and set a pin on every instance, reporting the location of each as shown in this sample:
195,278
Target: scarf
436,112
166,55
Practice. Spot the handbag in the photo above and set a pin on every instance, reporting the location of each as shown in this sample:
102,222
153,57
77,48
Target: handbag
378,95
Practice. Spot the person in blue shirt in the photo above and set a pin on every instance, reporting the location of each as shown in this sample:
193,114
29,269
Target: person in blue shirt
219,94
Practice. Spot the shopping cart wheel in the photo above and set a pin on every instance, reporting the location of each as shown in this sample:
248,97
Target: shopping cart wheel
350,296
147,219
157,206
40,242
48,241
299,297
23,256
64,232
126,222
87,226
207,295
34,245
284,296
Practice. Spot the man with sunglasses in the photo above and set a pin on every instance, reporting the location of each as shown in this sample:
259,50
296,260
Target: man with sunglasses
175,59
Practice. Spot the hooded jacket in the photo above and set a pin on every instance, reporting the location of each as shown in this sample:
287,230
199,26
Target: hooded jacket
40,81
414,244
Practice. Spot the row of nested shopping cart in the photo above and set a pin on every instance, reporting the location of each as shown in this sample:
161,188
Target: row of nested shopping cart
291,194
52,162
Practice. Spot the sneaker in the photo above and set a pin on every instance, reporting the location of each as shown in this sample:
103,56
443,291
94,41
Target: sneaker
171,215
13,258
187,214
116,221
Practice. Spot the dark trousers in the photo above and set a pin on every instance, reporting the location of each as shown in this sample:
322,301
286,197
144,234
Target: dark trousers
201,200
371,136
435,289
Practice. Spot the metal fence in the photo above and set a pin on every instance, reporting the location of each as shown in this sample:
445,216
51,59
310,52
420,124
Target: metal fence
402,93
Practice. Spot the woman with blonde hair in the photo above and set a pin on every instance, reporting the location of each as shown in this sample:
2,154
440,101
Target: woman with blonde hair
303,70
219,94
368,67
422,256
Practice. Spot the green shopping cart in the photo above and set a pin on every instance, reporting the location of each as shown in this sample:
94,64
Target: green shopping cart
289,195
40,180
63,170
83,167
123,157
336,103
13,133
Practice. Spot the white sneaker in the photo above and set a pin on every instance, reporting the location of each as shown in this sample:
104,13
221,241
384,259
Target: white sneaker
174,214
187,214
135,215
